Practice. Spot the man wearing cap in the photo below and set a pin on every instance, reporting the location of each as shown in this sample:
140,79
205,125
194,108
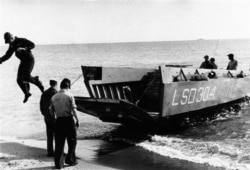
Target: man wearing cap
22,48
232,65
63,108
49,120
206,64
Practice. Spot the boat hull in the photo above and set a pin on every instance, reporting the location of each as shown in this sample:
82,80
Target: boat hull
184,97
152,96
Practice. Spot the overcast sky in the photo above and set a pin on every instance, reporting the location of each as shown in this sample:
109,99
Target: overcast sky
94,21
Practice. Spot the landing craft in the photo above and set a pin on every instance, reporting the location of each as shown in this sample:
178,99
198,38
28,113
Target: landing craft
151,96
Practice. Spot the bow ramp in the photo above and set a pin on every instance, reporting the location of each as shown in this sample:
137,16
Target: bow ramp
114,110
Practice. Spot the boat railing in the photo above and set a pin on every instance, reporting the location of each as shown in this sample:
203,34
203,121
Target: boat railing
171,75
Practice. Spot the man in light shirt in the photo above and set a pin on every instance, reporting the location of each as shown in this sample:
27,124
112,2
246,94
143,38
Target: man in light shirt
233,64
63,109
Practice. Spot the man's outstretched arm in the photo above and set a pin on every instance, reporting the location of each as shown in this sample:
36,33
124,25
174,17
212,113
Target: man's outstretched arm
7,55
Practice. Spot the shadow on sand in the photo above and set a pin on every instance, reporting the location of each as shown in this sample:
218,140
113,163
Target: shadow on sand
21,151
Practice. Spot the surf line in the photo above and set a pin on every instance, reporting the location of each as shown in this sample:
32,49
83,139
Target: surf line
194,95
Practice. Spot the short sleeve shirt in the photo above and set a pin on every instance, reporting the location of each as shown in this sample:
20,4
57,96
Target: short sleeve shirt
63,103
232,65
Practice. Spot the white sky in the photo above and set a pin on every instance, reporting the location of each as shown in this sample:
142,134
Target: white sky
94,21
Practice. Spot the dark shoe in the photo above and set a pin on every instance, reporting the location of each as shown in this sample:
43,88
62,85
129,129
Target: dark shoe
26,97
71,163
39,84
59,167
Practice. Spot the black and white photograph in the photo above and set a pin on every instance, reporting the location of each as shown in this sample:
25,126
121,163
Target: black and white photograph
125,84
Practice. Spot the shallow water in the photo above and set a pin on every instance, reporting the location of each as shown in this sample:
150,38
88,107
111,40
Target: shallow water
221,142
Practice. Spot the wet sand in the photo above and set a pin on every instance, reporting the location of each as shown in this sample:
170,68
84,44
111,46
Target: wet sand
92,154
31,154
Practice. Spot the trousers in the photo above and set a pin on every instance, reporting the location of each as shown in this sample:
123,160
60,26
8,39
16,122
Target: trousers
50,130
65,129
24,75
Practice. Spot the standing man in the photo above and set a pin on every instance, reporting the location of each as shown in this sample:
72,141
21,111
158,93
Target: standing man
233,64
49,120
63,108
22,48
206,64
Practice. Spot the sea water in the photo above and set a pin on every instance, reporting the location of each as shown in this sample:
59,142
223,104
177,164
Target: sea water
222,142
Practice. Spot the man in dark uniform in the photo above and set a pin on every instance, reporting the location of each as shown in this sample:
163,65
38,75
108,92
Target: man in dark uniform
49,120
212,62
206,64
63,108
22,48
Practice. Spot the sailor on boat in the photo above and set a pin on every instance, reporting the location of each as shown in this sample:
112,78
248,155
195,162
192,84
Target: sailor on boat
206,64
232,65
212,62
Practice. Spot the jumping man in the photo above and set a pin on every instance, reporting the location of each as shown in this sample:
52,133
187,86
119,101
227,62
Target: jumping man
22,48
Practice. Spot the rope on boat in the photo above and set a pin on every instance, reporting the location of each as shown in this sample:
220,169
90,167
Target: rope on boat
76,79
145,90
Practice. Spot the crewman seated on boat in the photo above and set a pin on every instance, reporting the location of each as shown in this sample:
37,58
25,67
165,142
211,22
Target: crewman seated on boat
199,77
212,62
241,75
206,64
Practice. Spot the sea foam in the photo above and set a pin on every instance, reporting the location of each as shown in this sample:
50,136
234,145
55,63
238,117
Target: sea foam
216,154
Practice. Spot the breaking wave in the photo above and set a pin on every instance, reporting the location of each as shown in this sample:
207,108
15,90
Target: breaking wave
222,142
218,154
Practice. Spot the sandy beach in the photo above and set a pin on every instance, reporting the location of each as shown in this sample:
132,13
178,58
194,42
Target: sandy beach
31,154
24,147
93,153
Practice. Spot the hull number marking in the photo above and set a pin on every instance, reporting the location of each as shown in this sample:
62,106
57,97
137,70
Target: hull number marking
194,95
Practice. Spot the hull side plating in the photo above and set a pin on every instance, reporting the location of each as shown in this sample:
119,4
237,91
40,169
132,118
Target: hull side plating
151,95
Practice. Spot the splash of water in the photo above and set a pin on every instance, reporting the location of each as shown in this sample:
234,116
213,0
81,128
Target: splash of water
222,142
